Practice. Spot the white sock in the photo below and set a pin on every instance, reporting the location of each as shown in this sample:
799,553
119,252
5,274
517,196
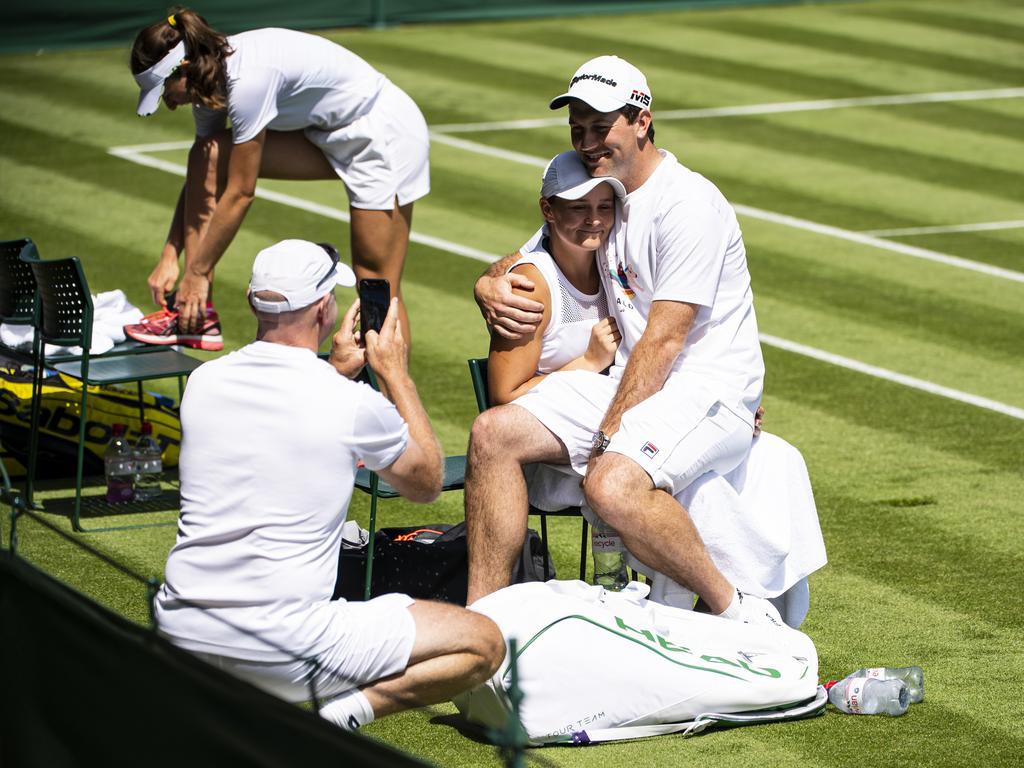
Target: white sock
350,710
733,611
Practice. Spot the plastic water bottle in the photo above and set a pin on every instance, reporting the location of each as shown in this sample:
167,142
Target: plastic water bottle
119,464
609,557
869,696
149,465
912,676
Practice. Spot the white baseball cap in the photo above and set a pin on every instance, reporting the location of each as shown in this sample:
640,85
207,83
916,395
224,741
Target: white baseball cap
607,83
299,270
566,177
151,82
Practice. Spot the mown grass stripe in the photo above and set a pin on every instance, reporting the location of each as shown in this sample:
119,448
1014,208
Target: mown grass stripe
900,162
1003,29
890,539
804,204
877,49
898,378
923,419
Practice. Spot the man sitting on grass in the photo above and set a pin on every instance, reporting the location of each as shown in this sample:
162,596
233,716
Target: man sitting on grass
270,439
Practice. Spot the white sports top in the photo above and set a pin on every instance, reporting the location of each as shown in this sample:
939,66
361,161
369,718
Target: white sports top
573,313
678,240
270,439
286,80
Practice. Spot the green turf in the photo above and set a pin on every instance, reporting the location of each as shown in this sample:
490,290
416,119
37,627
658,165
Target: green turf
918,494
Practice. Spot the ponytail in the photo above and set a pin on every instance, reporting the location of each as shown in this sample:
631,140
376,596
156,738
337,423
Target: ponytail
205,49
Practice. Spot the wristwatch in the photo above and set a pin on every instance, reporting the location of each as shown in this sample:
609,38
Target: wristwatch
599,443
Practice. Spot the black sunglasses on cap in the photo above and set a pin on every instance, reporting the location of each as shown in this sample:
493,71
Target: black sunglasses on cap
331,251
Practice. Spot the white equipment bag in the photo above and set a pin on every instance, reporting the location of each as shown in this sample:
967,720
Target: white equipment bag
599,666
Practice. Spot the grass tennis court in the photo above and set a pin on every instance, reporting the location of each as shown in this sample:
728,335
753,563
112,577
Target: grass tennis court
875,154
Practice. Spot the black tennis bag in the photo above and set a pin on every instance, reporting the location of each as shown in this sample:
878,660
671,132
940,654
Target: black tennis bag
428,562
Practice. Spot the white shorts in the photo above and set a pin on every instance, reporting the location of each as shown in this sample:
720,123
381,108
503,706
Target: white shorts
382,155
373,640
675,435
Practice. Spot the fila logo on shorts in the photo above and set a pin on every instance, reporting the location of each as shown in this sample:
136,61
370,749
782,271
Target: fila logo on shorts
640,97
649,449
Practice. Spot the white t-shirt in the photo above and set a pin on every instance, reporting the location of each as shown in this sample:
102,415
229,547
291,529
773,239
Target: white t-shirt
678,240
270,439
573,313
286,80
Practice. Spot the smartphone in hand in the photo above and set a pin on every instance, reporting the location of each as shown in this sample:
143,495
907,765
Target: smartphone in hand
374,299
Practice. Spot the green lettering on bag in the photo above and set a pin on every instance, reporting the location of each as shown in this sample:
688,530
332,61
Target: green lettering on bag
644,632
669,646
720,660
763,671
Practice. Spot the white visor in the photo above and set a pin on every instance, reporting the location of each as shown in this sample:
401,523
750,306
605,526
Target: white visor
566,177
151,82
300,271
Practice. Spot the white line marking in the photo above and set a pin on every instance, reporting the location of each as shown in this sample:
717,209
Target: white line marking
756,109
484,149
132,154
876,242
980,227
899,378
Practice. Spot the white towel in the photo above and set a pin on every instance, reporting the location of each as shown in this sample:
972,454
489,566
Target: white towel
111,312
760,526
758,523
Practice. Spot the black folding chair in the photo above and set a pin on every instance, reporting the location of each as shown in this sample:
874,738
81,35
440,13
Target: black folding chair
63,315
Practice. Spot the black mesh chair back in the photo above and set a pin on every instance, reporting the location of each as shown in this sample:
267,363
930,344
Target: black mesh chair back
65,306
17,284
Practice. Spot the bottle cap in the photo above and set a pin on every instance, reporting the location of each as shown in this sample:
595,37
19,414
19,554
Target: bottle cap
147,428
118,429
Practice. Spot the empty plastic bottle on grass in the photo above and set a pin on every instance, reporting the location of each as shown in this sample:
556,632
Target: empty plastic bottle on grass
119,464
869,696
609,557
912,676
149,465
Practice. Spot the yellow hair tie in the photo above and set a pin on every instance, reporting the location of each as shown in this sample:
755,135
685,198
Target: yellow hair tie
171,21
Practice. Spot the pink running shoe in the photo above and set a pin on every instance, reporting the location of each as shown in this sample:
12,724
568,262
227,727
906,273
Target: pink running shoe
161,327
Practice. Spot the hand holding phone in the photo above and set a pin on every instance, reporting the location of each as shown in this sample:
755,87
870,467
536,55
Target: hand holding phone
374,299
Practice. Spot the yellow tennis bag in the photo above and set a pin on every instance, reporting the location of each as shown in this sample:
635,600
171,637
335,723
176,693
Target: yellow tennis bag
59,421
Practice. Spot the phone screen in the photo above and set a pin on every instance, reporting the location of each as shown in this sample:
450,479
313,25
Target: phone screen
374,298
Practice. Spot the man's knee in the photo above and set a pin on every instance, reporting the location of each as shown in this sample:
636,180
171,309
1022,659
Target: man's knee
612,483
488,647
443,629
491,436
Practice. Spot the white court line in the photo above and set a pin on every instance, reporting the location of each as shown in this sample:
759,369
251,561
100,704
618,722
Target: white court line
133,154
778,218
899,378
979,227
757,109
877,242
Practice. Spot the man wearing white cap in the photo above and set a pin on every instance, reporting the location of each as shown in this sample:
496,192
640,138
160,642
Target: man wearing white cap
270,439
681,397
